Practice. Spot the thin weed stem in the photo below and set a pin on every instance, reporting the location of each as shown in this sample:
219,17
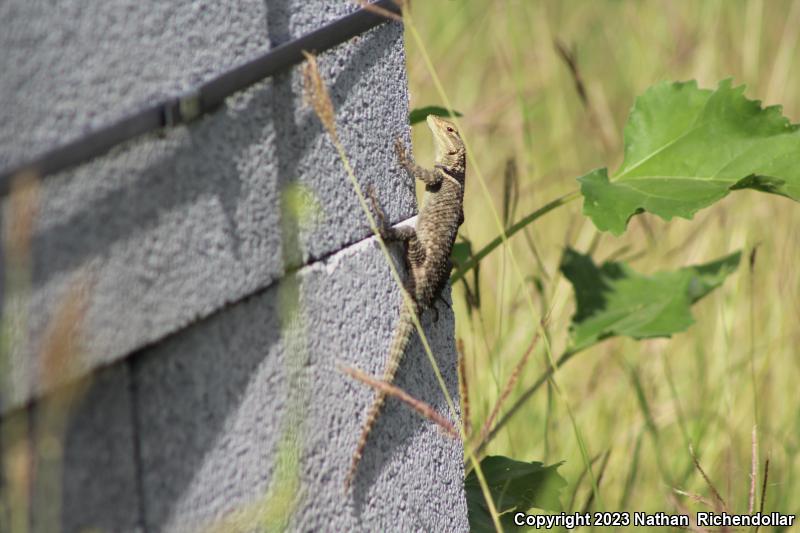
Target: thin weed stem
714,491
463,387
512,381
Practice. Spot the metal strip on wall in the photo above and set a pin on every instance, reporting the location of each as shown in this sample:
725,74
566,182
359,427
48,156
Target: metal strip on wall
201,100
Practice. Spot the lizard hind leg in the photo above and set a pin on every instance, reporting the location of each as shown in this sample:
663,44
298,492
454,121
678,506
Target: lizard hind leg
387,232
377,210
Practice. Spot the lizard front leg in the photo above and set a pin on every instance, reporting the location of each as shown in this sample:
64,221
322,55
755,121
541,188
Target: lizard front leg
431,178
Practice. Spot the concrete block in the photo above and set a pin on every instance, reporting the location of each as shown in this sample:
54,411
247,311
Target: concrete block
172,227
82,443
216,401
71,65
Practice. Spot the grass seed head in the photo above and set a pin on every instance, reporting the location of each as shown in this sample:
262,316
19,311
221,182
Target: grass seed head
316,95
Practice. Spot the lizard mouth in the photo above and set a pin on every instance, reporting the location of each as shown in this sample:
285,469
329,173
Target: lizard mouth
438,128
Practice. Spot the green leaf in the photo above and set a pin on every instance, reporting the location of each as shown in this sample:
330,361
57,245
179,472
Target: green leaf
460,257
686,148
421,113
515,486
462,252
614,300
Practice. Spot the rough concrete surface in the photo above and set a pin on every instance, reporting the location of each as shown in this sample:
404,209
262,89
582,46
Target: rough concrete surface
91,484
100,490
215,401
72,65
170,228
216,322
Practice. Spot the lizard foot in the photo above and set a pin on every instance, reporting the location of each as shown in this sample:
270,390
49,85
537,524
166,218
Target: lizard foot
402,152
435,313
445,302
380,216
435,309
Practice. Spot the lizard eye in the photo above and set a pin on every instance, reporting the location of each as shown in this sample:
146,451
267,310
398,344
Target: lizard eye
451,130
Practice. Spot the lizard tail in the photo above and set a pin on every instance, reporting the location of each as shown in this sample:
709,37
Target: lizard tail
402,336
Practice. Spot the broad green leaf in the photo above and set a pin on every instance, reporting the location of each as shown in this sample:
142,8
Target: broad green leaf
686,148
516,486
612,299
421,113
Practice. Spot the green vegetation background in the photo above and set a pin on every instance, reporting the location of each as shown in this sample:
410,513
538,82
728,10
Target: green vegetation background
640,405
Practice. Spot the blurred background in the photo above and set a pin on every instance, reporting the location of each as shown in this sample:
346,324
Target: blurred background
640,405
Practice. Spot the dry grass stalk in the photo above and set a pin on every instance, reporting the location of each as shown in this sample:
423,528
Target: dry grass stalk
316,95
579,481
512,381
570,60
63,387
751,501
510,191
61,346
695,497
568,56
380,10
463,389
60,361
682,509
17,473
714,491
17,468
34,462
23,208
763,489
419,406
603,465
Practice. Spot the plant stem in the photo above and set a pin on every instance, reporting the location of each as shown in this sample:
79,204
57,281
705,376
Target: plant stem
566,356
486,250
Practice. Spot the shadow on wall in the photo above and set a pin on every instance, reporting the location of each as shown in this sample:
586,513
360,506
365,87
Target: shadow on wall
179,429
210,156
206,401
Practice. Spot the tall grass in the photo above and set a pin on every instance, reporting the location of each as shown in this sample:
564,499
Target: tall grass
645,402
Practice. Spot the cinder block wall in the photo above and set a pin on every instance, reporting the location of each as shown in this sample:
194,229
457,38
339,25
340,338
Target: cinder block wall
215,322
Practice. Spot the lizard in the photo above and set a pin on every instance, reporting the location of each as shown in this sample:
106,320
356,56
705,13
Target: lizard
427,247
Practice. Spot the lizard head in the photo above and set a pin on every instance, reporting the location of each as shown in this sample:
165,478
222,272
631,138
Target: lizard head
445,136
